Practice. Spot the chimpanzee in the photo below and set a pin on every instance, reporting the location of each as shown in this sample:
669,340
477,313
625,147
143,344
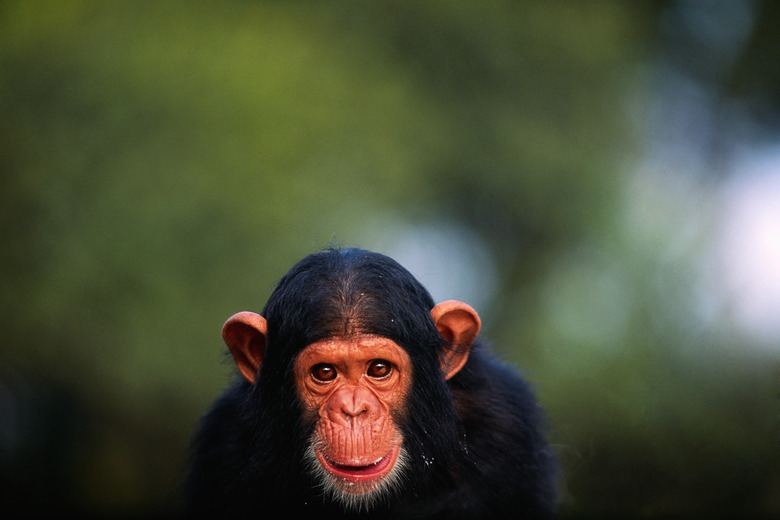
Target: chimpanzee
358,396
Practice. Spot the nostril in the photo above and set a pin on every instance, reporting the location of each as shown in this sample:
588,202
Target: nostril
353,411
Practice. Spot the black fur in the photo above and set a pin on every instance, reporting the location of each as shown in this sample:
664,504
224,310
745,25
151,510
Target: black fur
475,443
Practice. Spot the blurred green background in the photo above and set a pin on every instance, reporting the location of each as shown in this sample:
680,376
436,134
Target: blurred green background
600,179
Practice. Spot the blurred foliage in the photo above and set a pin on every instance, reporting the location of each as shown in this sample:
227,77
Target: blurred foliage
164,163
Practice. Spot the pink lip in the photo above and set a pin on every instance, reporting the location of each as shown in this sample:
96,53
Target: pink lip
361,473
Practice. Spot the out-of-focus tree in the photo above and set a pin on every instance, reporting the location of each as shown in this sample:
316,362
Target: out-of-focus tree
164,163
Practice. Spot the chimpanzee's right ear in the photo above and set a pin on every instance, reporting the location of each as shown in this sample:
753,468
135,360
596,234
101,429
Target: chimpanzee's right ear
245,335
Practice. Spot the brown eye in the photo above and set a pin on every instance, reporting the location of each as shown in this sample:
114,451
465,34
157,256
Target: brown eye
323,372
379,368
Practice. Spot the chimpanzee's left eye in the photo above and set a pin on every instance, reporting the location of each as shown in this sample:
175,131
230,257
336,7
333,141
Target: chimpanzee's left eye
379,368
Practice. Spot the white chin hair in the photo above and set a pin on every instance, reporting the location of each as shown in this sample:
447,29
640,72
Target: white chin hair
355,496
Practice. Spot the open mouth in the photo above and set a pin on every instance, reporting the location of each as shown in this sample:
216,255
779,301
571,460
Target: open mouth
371,471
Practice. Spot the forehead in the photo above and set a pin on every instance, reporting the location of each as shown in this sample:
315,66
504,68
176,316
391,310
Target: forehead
359,347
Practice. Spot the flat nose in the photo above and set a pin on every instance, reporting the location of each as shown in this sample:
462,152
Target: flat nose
352,406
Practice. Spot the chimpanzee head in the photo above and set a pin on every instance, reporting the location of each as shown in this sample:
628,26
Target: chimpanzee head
356,345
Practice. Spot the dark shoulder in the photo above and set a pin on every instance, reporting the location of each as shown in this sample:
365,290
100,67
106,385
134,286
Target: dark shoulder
223,413
510,465
488,387
217,447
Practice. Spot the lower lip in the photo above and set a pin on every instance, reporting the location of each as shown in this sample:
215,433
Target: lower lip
361,473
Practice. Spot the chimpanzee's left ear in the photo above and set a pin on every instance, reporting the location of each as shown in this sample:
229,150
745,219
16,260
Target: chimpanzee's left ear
245,335
459,324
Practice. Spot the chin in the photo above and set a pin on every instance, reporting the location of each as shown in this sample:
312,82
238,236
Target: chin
357,489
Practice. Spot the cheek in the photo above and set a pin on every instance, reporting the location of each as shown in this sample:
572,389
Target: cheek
399,409
399,413
309,414
309,408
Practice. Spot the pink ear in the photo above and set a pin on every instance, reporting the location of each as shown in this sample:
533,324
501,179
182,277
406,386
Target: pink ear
459,324
245,335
